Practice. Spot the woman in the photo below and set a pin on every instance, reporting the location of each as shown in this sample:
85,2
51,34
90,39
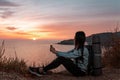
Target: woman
75,61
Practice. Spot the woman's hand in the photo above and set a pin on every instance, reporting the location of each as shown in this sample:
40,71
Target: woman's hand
52,49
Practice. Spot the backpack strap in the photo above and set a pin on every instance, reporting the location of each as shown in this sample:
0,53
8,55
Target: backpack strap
82,50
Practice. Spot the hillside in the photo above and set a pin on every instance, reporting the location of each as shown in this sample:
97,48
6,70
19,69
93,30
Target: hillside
105,39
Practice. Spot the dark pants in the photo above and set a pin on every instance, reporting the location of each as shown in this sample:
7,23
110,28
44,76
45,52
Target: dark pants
67,63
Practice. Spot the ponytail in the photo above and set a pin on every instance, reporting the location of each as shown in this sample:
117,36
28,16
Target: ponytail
79,44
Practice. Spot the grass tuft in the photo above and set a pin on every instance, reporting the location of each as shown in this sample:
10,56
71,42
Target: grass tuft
112,52
11,64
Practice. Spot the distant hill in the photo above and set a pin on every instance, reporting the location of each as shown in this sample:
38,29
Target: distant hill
105,39
66,42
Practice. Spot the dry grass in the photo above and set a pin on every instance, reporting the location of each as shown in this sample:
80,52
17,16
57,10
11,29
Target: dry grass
112,53
11,64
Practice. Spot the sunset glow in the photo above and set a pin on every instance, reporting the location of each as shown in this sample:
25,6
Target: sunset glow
56,19
34,39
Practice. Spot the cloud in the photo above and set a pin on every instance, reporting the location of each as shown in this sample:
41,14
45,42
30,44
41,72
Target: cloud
7,14
6,8
15,30
62,29
11,28
22,33
43,31
3,8
6,3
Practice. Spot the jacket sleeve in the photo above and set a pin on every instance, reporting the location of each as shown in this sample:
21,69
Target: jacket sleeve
66,52
69,54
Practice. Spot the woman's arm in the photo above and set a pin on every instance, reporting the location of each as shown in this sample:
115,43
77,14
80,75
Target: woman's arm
73,54
66,52
53,50
70,54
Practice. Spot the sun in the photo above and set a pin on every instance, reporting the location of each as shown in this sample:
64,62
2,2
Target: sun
34,39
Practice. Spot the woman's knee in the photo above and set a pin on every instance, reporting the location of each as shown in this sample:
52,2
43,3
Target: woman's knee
62,59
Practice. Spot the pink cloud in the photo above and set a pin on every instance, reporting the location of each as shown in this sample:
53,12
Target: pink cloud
61,30
11,28
22,33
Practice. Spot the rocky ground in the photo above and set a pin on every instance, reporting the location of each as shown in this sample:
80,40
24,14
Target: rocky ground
108,74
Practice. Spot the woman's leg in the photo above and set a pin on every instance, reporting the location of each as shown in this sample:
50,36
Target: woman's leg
67,63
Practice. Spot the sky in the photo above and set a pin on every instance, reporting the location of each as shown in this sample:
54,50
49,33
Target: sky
56,19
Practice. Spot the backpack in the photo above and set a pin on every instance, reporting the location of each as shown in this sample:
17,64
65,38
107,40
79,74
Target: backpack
90,67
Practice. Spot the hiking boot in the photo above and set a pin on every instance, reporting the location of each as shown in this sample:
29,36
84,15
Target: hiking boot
36,71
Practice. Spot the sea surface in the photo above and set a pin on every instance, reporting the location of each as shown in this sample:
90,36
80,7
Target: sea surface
37,51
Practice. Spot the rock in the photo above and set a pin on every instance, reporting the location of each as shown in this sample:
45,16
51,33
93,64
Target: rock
105,39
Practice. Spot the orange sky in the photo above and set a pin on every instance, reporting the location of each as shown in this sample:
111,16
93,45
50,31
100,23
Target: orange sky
56,19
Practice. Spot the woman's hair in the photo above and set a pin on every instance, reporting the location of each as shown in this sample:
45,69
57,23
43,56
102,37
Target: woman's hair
79,44
79,39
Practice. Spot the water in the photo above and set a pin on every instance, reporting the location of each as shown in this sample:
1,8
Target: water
33,51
